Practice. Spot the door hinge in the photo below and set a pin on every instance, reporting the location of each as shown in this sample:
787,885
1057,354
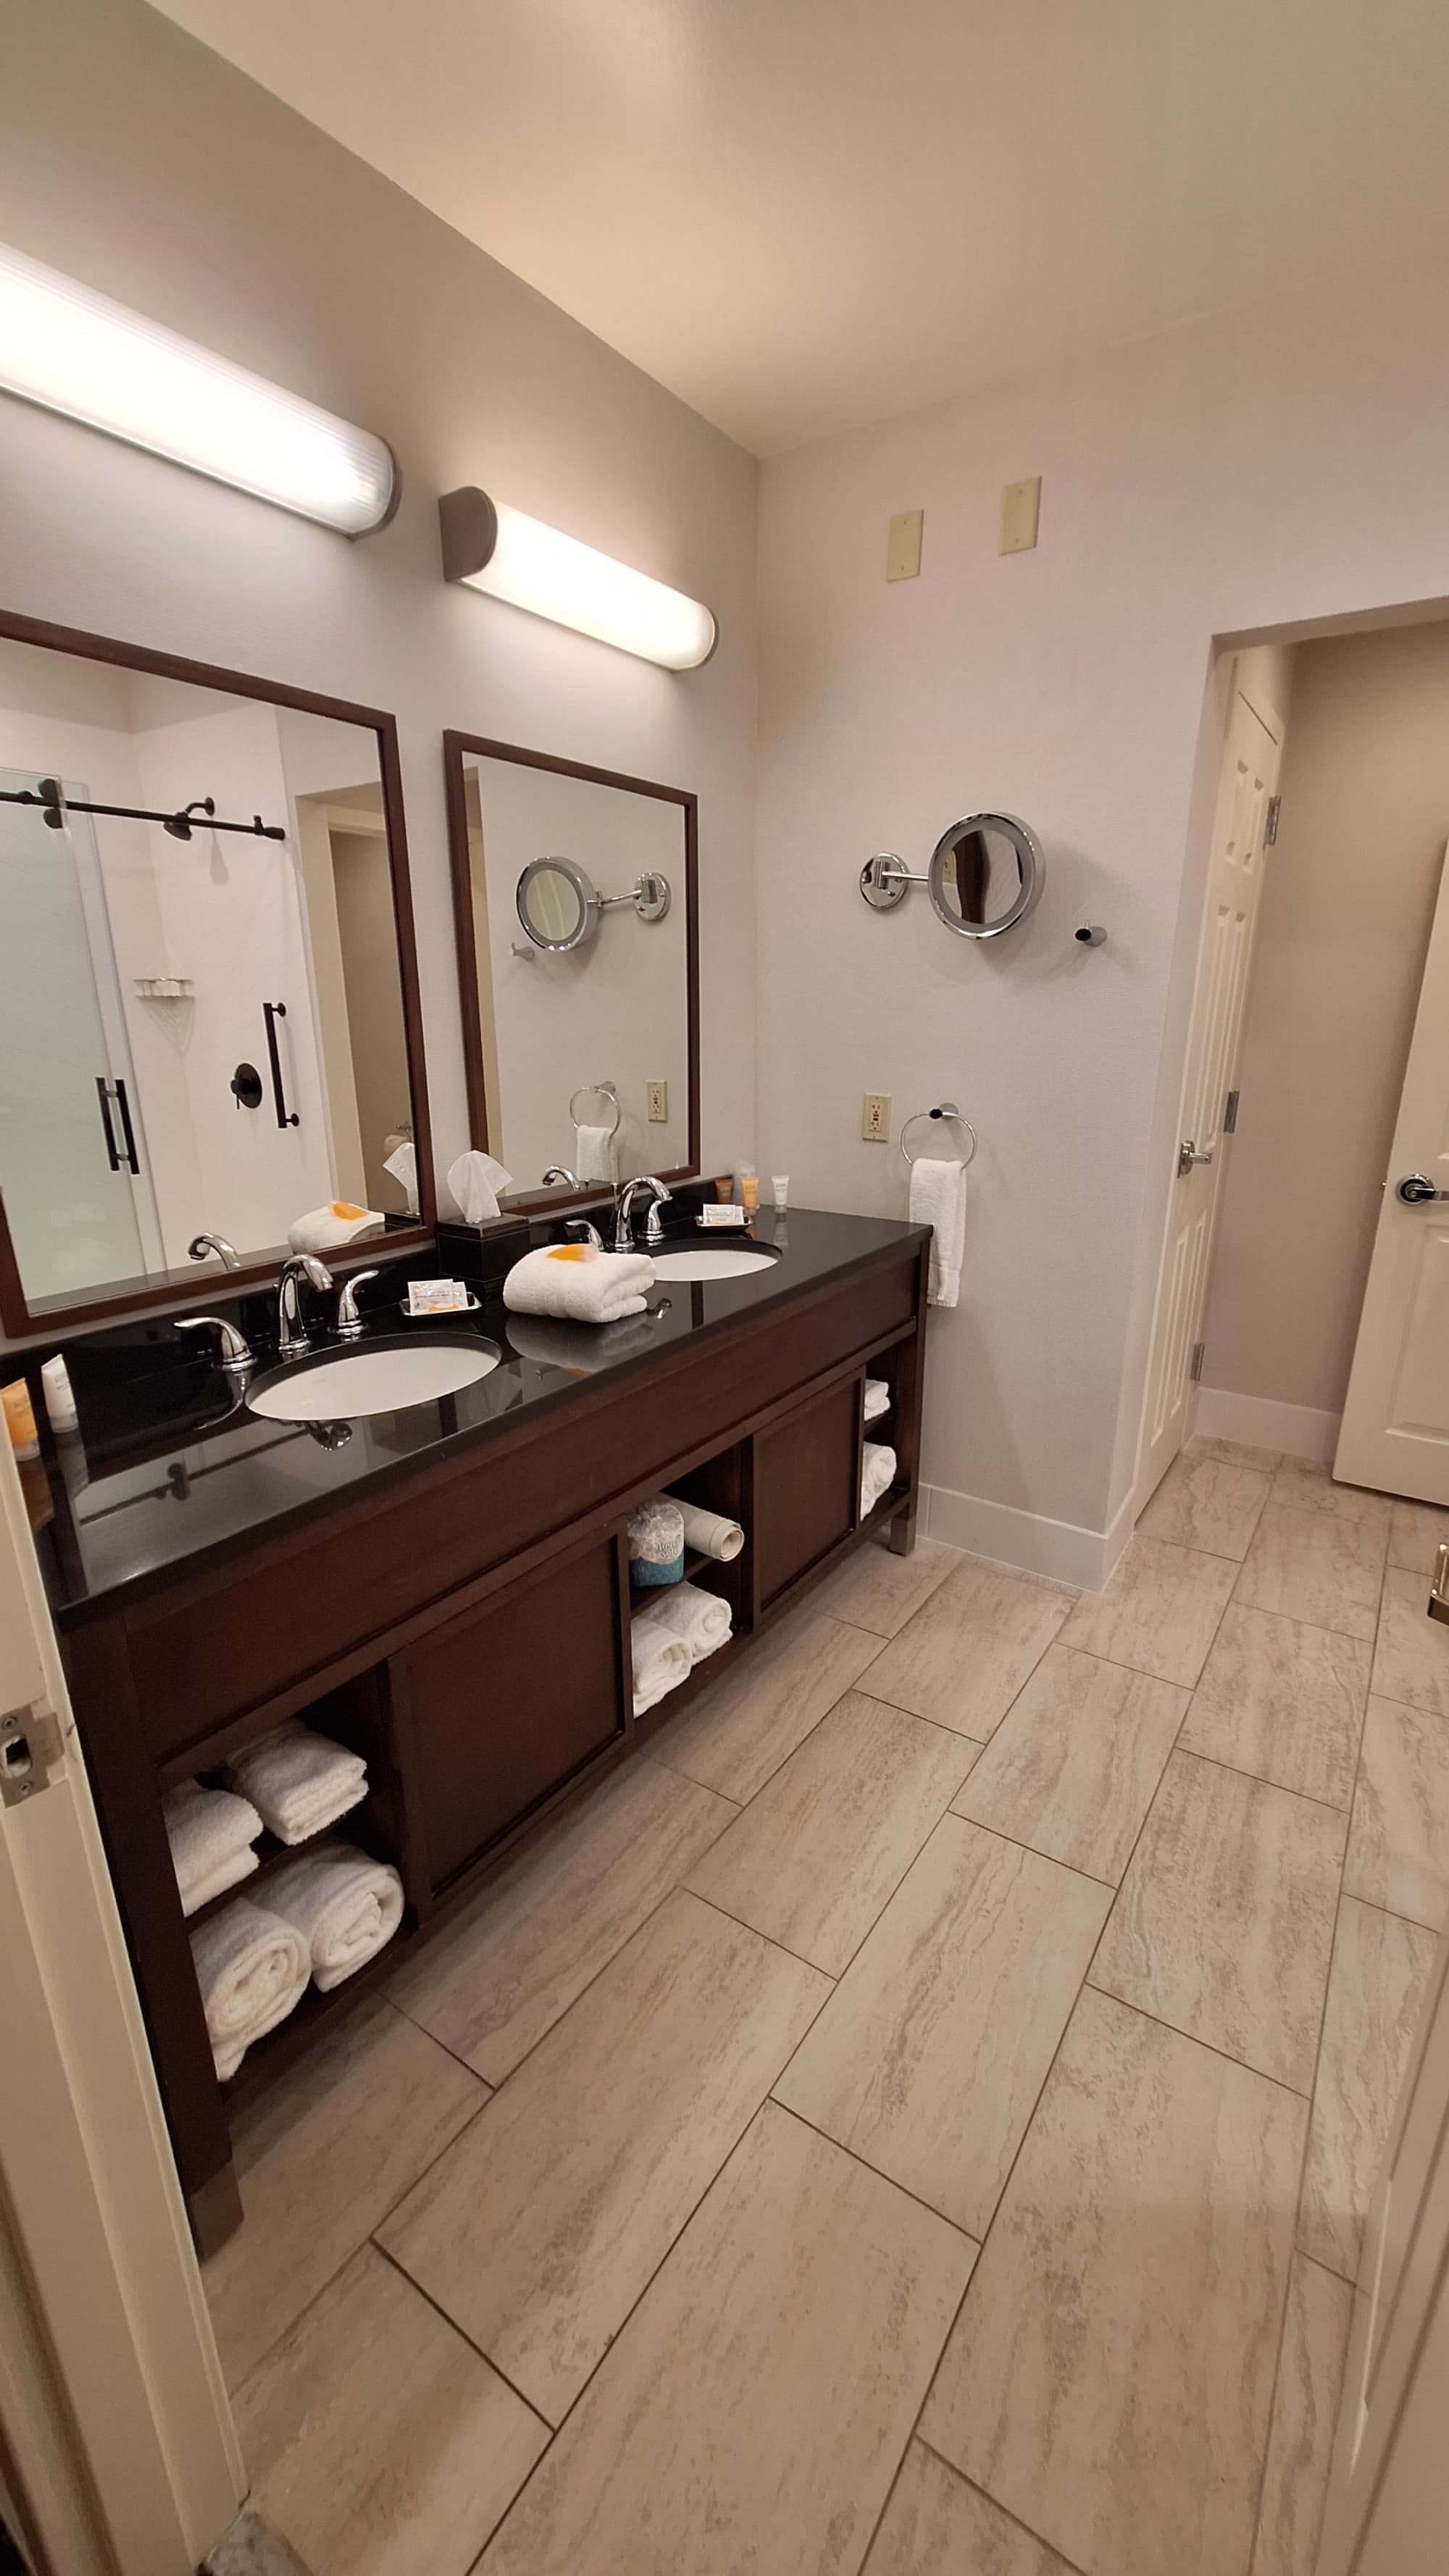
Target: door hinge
1195,1372
1230,1114
1270,826
31,1745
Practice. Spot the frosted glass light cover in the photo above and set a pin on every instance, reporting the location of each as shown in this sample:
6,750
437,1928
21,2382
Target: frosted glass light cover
74,351
500,550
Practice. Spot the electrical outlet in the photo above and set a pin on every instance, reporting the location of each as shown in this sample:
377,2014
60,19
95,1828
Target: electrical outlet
1020,516
903,545
659,1104
875,1117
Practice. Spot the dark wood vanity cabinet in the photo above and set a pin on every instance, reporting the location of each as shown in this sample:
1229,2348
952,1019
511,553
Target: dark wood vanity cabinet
807,1481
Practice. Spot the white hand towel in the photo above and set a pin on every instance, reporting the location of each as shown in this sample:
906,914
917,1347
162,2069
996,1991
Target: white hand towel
711,1533
211,1833
252,1969
299,1781
475,1181
661,1659
403,1165
877,1474
699,1617
877,1398
345,1906
327,1229
579,1282
938,1199
594,1153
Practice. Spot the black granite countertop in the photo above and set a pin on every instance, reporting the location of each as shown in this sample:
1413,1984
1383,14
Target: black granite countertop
169,1468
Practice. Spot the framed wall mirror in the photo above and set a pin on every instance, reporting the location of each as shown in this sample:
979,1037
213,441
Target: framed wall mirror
209,1019
577,912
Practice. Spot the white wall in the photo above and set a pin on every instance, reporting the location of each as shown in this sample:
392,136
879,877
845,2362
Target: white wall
1274,467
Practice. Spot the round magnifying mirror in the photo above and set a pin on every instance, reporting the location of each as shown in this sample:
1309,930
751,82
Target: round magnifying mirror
651,895
985,875
556,904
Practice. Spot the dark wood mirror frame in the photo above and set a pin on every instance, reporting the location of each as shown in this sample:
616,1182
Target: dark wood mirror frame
456,746
57,1315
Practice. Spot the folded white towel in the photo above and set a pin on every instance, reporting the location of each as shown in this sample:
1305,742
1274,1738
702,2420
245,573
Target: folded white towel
938,1199
475,1181
661,1659
579,1282
252,1969
711,1533
211,1833
403,1165
877,1474
323,1230
299,1781
877,1398
700,1618
594,1153
345,1906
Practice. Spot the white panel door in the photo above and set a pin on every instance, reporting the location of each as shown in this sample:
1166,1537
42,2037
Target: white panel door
1249,775
1395,1429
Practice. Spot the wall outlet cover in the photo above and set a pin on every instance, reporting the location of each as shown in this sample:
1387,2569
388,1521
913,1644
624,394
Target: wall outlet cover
875,1117
903,545
1020,515
658,1104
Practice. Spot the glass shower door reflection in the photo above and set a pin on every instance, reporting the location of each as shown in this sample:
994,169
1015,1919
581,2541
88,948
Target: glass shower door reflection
65,1169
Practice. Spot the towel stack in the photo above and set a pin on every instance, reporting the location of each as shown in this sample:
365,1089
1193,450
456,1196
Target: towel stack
877,1474
299,1782
577,1281
324,1918
211,1834
672,1634
344,1906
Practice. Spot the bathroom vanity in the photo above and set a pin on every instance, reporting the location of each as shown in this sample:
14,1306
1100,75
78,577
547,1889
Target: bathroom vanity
444,1589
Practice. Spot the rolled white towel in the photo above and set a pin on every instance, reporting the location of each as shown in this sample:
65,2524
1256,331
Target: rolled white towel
579,1282
301,1782
211,1833
699,1617
938,1199
711,1533
877,1473
661,1658
252,1969
327,1229
877,1398
345,1906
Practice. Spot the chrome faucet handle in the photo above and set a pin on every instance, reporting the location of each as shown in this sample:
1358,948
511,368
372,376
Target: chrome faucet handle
349,1322
226,1253
234,1352
292,1335
578,1229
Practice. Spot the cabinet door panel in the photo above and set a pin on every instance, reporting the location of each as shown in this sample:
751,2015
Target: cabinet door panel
807,1473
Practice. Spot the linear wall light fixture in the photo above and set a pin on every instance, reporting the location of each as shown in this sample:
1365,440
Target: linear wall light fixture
74,351
512,557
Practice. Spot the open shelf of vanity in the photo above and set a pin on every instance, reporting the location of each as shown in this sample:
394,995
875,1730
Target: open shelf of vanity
462,1620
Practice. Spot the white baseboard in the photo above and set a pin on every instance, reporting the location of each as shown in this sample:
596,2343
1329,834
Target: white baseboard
1298,1429
1027,1541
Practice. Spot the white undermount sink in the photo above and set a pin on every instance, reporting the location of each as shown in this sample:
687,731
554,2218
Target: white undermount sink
347,1383
712,1261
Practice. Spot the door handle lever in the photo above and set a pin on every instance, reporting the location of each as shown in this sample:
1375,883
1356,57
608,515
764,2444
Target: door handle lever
1188,1154
1416,1190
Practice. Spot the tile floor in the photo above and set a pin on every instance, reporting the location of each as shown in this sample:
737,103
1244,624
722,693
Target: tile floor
916,2120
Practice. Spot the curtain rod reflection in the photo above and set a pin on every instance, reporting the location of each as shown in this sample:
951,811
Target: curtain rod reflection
54,804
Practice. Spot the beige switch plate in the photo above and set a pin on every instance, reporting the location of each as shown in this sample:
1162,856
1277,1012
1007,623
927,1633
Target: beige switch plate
875,1117
659,1104
1020,515
903,545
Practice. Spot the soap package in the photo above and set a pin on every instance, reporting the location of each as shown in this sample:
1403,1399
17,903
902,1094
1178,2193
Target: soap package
437,1296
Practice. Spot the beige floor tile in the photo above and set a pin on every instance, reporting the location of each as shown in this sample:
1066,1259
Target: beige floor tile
1158,1611
817,1854
1380,1970
1224,1922
1398,1842
1305,2412
1284,1701
937,2525
1416,1531
962,1659
1315,1566
1235,1453
1411,1660
743,1729
379,2443
321,2158
1073,1765
1307,1488
1208,1503
494,1982
1110,2376
252,2547
929,2057
876,1590
752,2412
538,2231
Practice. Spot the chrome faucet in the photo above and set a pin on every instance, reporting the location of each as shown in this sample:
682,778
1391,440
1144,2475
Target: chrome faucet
349,1322
624,1213
201,1244
561,1172
292,1335
577,1229
232,1348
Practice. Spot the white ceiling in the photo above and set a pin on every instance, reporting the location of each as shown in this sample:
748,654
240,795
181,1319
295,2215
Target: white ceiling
803,215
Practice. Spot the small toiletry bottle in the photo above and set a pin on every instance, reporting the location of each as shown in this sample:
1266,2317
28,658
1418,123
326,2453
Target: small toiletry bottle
747,1188
780,1184
20,1419
724,1188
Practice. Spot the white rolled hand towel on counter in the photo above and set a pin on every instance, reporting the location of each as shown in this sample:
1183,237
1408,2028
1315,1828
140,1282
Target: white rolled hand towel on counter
253,1970
700,1618
938,1199
661,1658
345,1906
211,1833
711,1533
300,1782
877,1474
577,1281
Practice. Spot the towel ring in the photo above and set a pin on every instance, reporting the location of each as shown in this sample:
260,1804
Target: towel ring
945,1109
596,1091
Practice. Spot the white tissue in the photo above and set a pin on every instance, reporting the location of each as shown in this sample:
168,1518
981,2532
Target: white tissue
475,1181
